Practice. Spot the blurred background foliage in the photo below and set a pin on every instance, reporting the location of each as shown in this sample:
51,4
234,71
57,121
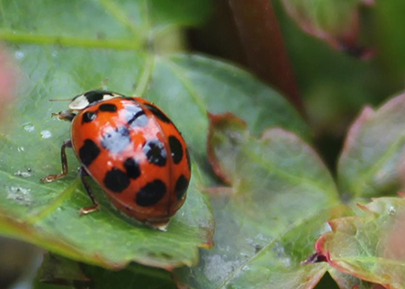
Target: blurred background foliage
334,84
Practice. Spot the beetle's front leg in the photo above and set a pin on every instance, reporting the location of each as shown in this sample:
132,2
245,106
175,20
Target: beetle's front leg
51,178
67,115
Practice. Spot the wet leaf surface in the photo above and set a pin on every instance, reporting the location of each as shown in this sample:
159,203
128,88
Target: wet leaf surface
267,221
61,57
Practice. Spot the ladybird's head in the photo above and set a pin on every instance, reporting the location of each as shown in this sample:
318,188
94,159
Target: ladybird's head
88,98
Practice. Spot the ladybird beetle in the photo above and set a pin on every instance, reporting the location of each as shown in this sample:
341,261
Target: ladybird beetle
132,150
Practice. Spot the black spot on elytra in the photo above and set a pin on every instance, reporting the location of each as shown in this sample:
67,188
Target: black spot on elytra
116,140
136,116
116,180
108,107
151,193
158,113
155,152
181,187
132,168
89,116
88,152
176,149
95,95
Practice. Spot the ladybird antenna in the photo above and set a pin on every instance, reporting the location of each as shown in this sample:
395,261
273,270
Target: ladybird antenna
104,84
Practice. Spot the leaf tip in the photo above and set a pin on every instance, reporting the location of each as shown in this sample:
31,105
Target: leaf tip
208,245
315,258
360,52
225,118
355,130
221,123
365,208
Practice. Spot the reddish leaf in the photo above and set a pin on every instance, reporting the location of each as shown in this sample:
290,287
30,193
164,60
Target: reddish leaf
372,162
369,246
335,21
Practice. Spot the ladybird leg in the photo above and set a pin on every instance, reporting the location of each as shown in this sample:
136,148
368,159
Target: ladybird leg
66,115
91,209
51,178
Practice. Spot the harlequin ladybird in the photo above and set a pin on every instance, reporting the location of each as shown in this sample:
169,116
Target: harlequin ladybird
132,150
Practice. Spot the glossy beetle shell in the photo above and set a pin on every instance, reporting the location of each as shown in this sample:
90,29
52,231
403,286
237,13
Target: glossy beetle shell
136,154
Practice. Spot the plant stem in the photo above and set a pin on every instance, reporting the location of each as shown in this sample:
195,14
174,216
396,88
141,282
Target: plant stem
263,43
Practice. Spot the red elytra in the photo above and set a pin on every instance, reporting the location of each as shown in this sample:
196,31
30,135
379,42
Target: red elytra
133,151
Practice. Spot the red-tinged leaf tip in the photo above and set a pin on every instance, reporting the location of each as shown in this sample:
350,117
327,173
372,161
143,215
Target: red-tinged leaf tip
327,256
333,224
314,258
363,240
342,32
401,194
219,122
319,244
228,117
208,245
364,208
363,53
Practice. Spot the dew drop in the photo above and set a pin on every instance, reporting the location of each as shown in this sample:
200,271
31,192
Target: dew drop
20,149
19,194
46,134
392,210
19,55
29,127
23,174
217,267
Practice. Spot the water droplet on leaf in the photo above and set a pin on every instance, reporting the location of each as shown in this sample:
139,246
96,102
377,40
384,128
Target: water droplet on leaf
392,210
23,174
45,134
29,127
19,194
19,54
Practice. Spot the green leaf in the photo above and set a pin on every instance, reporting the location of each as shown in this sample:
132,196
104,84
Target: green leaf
347,281
372,161
267,222
59,272
389,29
61,54
102,20
181,13
369,246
